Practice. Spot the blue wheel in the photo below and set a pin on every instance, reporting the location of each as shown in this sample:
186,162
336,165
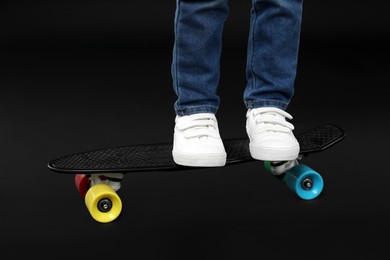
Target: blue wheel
304,181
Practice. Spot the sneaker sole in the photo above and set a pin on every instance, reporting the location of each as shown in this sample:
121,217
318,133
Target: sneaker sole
263,154
204,160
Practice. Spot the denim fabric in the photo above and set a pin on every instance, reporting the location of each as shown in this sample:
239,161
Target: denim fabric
272,54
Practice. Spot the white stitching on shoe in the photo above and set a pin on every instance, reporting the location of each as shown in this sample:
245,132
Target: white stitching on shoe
272,119
198,126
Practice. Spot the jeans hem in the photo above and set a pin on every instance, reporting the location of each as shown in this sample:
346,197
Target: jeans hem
195,110
266,103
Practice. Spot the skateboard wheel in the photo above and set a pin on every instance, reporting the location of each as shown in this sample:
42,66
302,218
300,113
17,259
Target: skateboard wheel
267,166
103,203
304,181
82,183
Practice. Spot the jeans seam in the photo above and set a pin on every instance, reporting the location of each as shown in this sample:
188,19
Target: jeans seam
176,80
252,45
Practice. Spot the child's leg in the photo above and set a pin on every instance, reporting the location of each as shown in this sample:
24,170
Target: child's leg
195,73
196,54
271,69
272,52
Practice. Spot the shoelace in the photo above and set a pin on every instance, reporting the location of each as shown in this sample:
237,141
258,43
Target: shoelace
272,120
198,126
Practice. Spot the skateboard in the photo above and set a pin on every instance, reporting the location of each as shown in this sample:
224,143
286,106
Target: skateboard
98,173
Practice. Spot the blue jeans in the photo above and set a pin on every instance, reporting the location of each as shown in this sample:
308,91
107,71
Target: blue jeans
272,53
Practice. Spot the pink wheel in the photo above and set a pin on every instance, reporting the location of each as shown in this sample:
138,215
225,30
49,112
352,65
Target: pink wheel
82,183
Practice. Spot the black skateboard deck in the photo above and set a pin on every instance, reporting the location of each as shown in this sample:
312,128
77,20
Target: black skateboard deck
98,173
156,157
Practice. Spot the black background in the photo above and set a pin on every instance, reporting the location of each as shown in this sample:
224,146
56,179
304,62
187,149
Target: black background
79,75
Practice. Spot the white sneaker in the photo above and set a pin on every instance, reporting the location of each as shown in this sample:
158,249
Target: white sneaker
270,135
197,142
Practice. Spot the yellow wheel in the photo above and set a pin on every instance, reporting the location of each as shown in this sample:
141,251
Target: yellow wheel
103,203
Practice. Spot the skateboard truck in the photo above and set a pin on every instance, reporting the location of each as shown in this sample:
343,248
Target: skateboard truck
111,179
278,168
